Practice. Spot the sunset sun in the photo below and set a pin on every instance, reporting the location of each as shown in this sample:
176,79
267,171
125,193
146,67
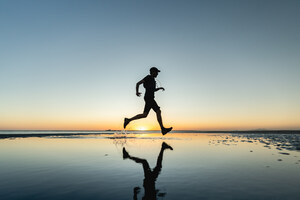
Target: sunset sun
142,128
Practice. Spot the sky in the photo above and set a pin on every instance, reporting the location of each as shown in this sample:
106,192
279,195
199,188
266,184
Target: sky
225,65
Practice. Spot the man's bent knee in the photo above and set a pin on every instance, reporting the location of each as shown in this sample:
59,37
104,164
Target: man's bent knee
145,115
158,111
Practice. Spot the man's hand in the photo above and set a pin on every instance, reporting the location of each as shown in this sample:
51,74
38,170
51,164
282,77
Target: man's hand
138,94
163,89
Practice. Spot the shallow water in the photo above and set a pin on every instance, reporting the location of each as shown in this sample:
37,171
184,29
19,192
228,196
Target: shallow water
200,166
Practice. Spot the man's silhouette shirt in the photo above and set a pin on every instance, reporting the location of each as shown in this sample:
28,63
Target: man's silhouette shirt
150,86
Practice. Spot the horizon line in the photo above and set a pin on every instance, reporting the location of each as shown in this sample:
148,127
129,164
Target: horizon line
220,130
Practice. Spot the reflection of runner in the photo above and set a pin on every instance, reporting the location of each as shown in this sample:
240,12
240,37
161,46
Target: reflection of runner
150,175
150,86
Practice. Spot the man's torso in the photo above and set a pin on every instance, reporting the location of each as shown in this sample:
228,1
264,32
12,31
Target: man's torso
150,86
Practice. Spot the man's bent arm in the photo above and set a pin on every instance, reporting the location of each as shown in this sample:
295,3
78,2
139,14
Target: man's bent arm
160,88
137,87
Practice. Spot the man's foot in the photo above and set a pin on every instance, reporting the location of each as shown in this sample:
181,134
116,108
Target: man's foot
166,146
125,153
126,122
164,131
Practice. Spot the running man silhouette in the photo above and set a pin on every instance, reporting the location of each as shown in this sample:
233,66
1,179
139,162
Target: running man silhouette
150,86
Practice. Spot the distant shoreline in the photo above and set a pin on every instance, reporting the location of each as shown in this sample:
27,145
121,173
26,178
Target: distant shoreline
47,133
107,130
186,131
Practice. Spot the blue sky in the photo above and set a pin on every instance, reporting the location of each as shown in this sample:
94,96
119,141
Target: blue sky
74,64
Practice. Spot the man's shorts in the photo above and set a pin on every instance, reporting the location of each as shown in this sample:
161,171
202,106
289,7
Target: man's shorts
151,103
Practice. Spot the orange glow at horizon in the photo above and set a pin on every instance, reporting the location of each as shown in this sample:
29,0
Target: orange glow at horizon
138,126
150,123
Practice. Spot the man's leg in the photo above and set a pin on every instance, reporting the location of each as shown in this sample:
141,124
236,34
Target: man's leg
147,109
156,108
139,116
159,119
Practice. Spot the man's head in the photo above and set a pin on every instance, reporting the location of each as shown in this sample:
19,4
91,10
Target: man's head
154,71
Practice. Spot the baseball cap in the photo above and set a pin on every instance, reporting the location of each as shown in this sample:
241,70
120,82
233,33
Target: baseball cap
154,69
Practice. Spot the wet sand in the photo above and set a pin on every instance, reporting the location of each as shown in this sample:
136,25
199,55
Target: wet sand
92,165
